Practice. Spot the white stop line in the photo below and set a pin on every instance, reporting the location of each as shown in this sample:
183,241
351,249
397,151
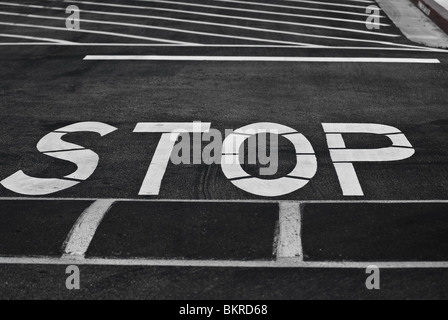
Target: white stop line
257,59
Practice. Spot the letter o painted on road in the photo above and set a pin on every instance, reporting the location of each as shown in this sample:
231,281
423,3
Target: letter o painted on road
304,171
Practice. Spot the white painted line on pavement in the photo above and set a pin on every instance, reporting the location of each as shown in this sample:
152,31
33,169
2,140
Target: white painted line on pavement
175,30
257,59
321,3
433,201
187,4
7,35
361,1
189,21
259,4
105,44
290,238
189,12
23,44
281,263
115,34
153,180
85,228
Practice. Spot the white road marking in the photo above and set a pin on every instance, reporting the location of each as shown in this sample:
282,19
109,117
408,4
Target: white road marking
359,128
53,142
153,180
21,183
115,34
7,35
187,4
159,163
226,36
23,44
290,239
321,3
362,1
213,14
216,34
335,140
53,146
176,30
348,179
305,169
344,158
166,127
259,59
282,263
85,228
85,160
255,201
189,21
87,44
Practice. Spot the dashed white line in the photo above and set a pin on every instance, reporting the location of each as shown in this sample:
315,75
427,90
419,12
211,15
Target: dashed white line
259,59
85,228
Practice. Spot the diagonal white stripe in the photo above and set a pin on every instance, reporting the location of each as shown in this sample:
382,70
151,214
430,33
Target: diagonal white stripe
321,3
115,34
317,26
189,13
263,4
7,35
159,28
220,35
85,228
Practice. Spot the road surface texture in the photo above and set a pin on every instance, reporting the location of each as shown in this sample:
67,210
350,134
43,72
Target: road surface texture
84,183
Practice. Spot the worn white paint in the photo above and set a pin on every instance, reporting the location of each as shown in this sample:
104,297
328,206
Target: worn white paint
290,238
85,228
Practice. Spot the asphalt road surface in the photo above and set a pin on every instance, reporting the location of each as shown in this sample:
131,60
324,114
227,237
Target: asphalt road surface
80,185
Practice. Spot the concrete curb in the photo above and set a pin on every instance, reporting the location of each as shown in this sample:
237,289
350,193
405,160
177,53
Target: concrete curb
435,11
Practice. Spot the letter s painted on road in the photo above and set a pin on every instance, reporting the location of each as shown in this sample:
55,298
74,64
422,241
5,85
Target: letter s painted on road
53,146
